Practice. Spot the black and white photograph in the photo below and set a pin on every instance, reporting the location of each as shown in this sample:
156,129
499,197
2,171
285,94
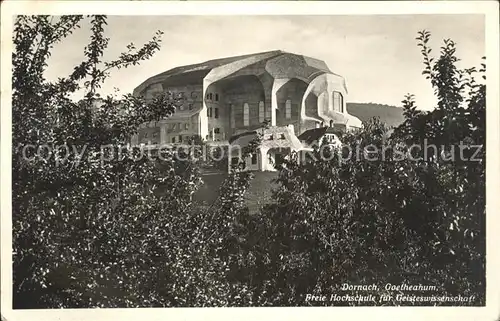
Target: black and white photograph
249,155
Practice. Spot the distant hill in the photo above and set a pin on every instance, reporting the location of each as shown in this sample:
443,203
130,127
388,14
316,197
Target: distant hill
390,115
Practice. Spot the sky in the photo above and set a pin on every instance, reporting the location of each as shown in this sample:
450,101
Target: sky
377,55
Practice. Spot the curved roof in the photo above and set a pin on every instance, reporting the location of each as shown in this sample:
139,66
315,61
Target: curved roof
272,137
313,135
278,64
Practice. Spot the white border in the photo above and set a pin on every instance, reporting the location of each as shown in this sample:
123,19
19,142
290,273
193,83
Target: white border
489,8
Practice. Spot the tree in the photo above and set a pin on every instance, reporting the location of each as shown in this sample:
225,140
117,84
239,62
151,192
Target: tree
380,211
96,222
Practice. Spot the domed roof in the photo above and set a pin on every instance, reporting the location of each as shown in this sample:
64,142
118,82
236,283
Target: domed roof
277,63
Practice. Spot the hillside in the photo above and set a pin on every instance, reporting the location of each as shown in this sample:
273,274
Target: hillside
391,115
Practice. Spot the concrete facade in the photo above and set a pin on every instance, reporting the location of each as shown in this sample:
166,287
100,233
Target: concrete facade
228,96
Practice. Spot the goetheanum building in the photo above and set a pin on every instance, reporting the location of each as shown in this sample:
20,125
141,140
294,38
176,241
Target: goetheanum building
229,96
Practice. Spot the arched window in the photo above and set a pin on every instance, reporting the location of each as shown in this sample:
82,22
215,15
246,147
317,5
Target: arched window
338,102
261,112
246,115
288,109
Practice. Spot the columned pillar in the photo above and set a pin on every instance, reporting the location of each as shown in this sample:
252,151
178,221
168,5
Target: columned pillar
277,84
203,118
264,163
329,95
163,134
261,158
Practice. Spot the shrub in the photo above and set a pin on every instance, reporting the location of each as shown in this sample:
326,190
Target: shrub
385,220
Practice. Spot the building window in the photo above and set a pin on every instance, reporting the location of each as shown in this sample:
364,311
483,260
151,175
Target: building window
210,112
233,120
186,126
338,102
210,96
216,130
261,112
288,109
216,112
282,136
216,97
180,138
254,159
190,106
173,140
246,115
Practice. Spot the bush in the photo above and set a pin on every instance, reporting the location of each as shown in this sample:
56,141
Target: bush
94,228
390,220
90,227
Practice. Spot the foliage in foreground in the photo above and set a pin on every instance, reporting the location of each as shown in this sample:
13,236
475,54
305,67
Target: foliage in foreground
92,233
379,216
89,226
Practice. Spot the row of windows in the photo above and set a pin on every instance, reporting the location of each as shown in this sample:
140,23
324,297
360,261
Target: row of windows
179,126
246,115
174,139
174,126
215,113
264,114
211,96
271,136
338,105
